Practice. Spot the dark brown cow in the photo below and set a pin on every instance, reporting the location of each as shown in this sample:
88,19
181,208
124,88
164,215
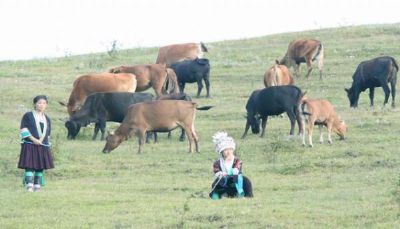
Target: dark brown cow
321,112
304,51
86,85
170,54
160,115
278,75
157,76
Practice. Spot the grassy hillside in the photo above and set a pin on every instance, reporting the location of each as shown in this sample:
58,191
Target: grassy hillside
351,183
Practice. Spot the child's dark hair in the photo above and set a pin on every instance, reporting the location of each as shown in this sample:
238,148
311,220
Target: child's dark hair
39,97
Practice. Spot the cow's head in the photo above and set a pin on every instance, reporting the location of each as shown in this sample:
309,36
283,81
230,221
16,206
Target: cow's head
112,142
353,97
73,129
254,121
341,129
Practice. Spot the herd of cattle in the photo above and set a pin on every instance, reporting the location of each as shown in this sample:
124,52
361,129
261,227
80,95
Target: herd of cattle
117,95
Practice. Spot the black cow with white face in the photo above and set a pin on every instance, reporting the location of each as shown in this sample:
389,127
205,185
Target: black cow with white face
377,72
100,108
190,71
273,101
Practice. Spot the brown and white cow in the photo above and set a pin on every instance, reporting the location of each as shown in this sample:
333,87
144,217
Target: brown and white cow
160,116
157,76
170,54
278,75
321,112
86,85
304,51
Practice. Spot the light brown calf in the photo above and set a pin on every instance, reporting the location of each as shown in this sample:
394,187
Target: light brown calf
157,76
321,112
278,75
304,51
170,54
86,85
160,116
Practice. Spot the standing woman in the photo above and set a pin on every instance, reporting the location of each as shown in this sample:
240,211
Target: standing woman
35,154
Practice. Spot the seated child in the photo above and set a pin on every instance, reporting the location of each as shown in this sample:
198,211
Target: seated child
229,180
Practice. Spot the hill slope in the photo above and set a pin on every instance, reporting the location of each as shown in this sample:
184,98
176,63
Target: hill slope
352,183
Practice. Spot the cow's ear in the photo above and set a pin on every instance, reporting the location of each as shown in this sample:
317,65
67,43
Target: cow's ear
277,61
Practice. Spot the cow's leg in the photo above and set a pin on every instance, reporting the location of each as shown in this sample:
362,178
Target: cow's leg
393,87
195,138
182,137
263,125
371,96
199,87
304,133
309,67
207,82
102,129
151,134
300,123
182,87
310,132
320,66
329,126
297,70
321,138
292,118
190,138
96,130
141,133
387,92
169,134
246,129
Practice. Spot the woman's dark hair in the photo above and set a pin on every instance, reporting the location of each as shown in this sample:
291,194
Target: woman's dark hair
39,97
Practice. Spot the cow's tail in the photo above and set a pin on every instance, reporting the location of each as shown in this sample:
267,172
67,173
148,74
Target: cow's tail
395,63
204,108
304,109
203,47
170,84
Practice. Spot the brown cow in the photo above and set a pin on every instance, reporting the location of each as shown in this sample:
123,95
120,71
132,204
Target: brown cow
160,115
170,54
157,76
86,85
304,51
321,112
278,75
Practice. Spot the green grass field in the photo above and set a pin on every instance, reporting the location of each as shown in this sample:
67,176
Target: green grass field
351,183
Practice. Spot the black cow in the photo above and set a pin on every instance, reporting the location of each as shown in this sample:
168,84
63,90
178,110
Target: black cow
102,107
190,71
273,101
377,72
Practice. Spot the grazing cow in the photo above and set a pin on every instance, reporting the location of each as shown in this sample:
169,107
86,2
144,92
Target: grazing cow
190,71
170,54
162,115
86,85
321,112
100,108
278,75
273,101
176,96
157,76
377,72
304,51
